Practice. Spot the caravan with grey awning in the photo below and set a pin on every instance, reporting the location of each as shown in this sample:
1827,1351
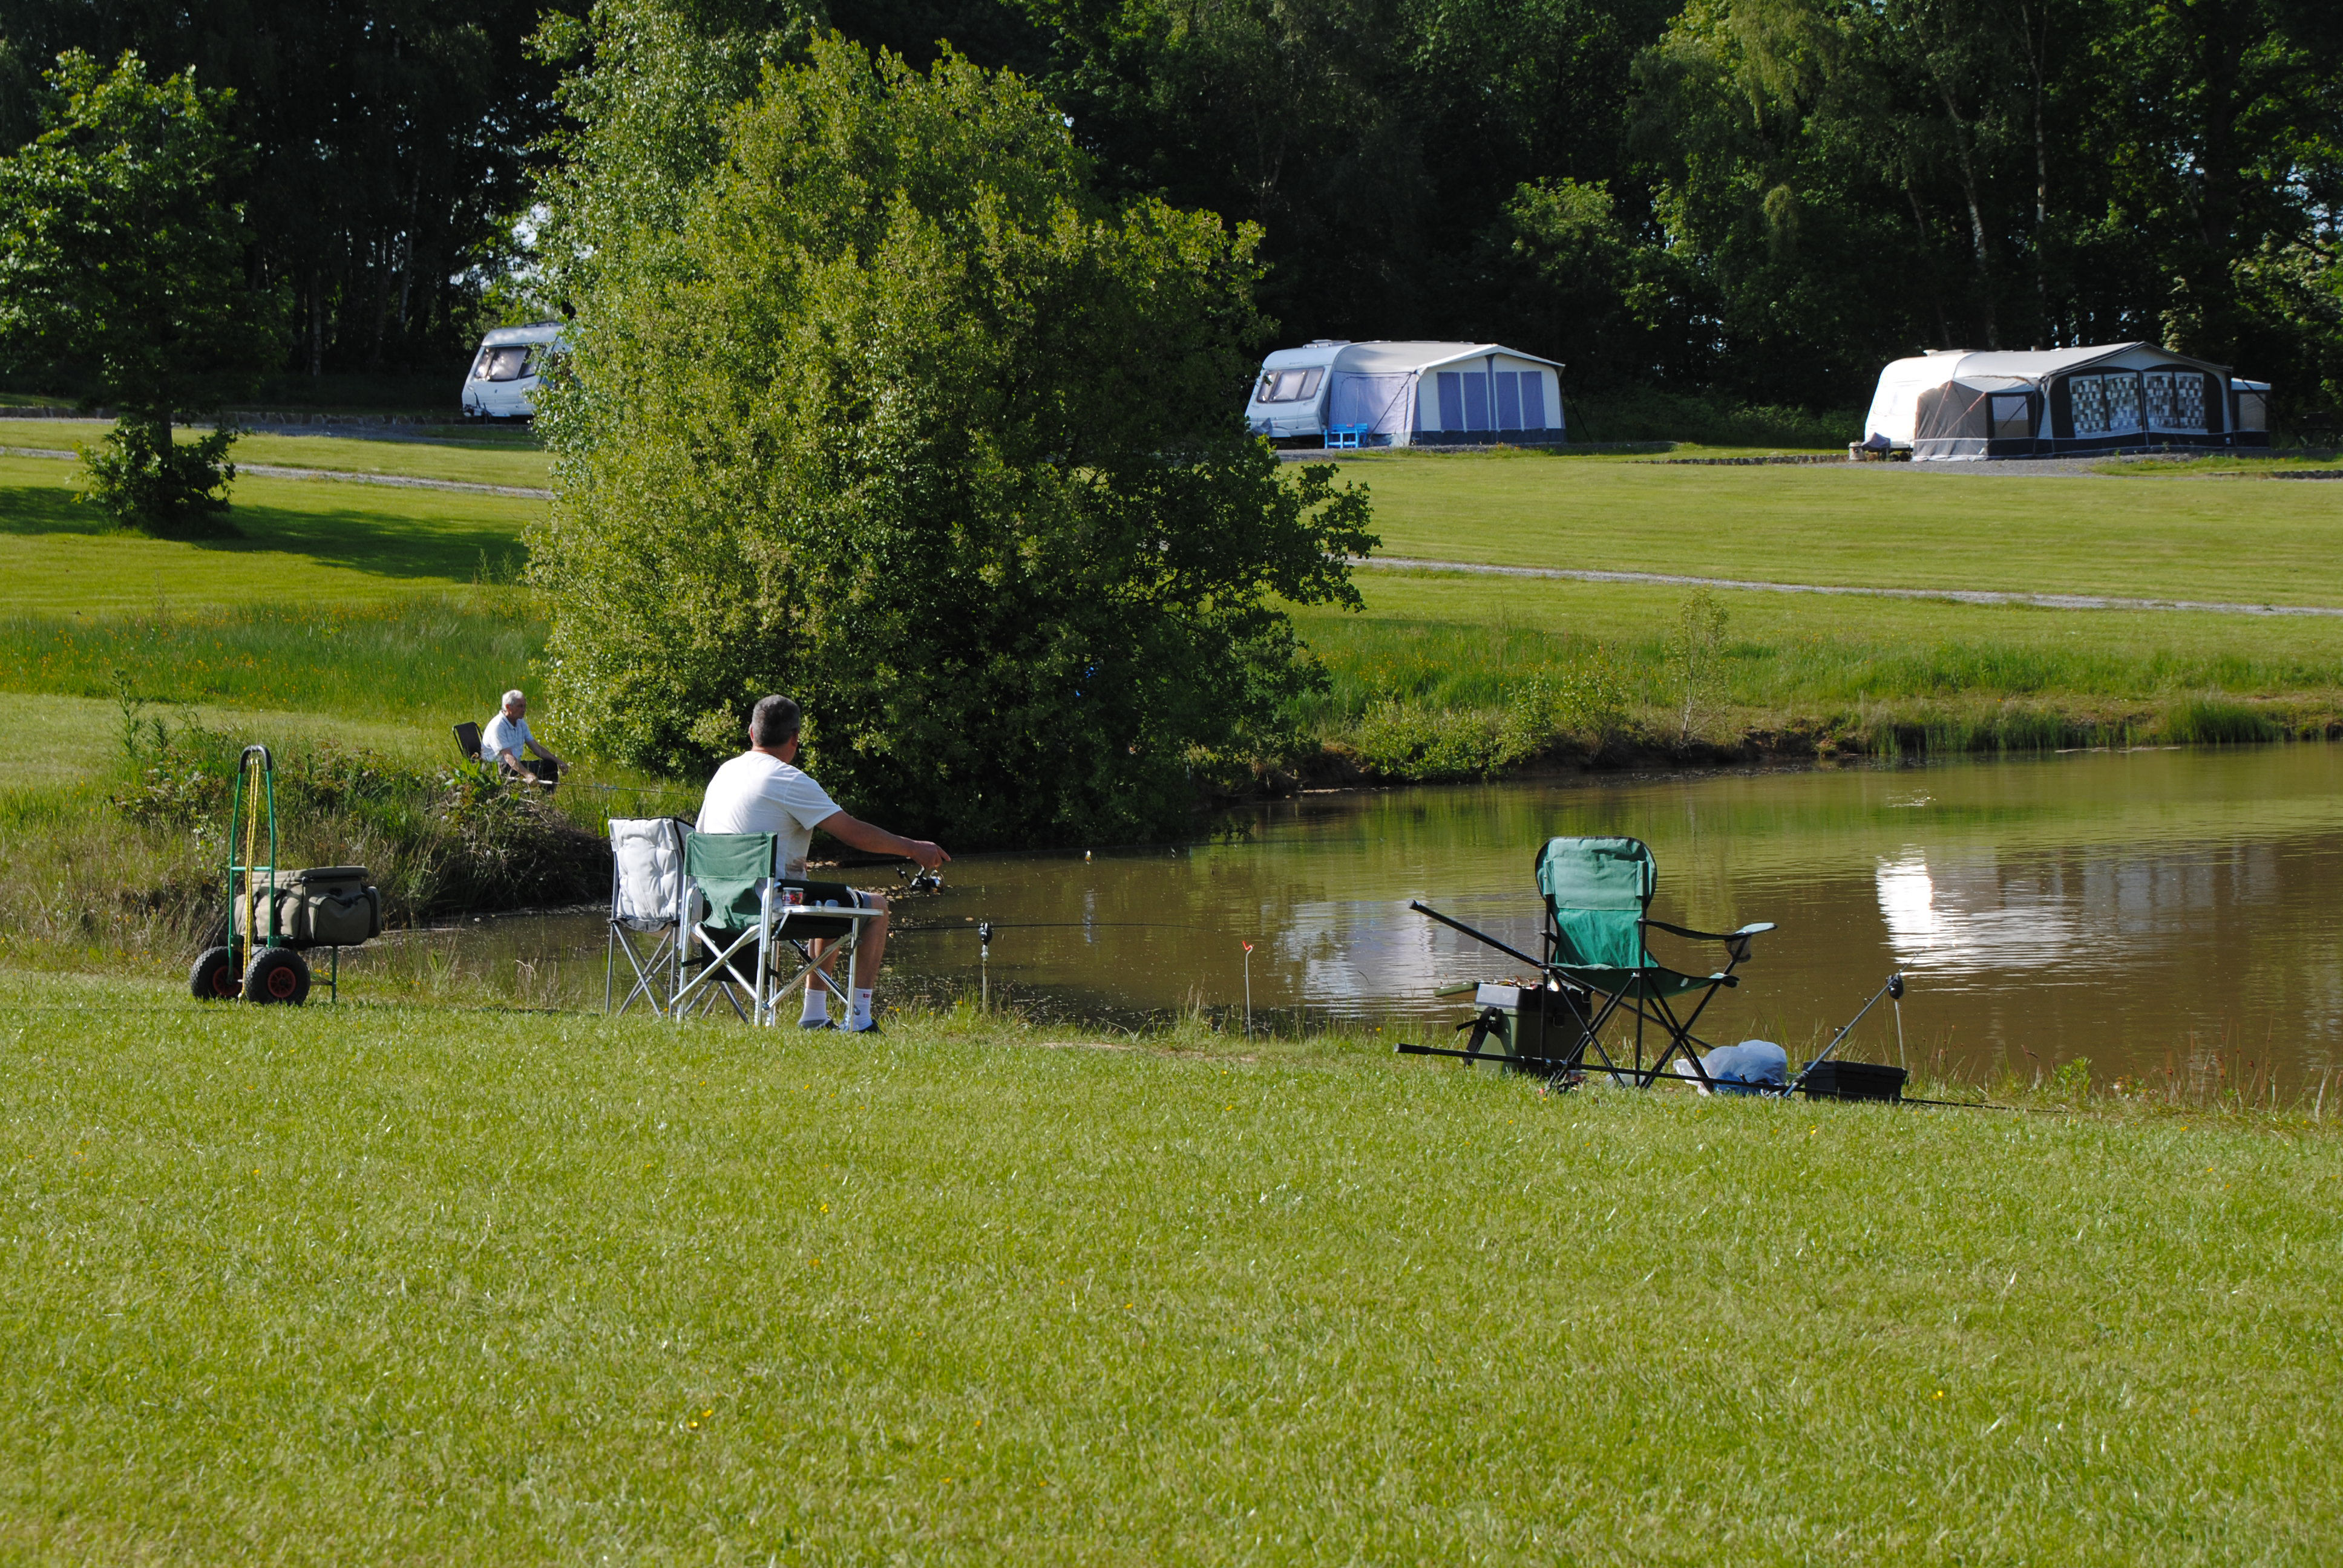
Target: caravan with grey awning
1408,394
1954,406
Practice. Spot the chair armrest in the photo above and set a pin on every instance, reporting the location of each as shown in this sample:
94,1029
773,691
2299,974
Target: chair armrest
1745,932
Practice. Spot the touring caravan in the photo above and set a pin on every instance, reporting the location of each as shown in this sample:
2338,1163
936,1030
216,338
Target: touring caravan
1407,394
1954,406
505,373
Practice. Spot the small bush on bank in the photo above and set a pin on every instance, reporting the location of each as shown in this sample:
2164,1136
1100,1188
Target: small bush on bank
140,867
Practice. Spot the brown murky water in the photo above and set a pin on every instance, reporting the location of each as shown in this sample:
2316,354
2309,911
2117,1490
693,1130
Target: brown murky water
2150,910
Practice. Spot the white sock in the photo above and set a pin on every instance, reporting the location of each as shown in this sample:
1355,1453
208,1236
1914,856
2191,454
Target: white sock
817,1005
861,1018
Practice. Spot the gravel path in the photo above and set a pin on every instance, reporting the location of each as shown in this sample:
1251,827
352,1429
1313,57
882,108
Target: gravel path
1961,596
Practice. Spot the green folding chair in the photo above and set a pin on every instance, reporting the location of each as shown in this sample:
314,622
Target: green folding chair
1598,894
741,921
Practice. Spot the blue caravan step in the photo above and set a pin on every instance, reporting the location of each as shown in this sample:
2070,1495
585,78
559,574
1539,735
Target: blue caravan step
1350,437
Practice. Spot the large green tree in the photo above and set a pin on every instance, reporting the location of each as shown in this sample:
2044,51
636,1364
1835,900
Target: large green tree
122,262
888,411
394,144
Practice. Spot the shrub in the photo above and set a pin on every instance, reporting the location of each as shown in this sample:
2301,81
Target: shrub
899,419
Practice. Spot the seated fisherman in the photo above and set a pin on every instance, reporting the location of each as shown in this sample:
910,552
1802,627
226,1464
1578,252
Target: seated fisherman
507,738
762,791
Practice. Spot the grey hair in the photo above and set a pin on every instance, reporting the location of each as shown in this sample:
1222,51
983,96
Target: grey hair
776,719
512,697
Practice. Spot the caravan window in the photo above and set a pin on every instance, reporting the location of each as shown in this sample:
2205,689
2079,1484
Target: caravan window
511,362
2012,415
1288,385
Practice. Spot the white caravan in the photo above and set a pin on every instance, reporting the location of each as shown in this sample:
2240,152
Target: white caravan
1407,394
505,373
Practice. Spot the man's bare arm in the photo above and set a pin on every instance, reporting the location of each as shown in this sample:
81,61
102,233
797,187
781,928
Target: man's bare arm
877,840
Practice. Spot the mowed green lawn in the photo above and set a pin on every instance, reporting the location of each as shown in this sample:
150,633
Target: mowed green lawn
376,1284
490,457
303,542
1882,525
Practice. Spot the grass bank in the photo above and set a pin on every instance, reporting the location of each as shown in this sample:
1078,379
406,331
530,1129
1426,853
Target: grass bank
377,1283
1450,674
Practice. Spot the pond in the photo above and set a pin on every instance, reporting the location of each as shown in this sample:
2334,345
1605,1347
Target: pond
2155,912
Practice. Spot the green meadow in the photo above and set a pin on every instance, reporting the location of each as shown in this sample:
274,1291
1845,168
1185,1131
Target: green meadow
482,456
1875,525
384,1283
447,1272
394,607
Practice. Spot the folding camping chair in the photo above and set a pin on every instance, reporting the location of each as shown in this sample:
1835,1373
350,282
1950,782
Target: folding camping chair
646,897
750,918
1596,892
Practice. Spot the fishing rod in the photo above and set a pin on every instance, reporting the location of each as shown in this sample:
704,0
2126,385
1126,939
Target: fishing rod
1423,909
1894,988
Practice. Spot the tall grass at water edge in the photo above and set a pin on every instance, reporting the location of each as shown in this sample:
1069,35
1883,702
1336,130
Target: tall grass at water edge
1432,700
445,657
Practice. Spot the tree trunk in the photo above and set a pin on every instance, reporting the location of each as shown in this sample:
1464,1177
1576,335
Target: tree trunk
1976,213
2037,65
1935,284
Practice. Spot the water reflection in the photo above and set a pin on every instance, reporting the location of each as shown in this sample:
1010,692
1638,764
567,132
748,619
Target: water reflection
2145,909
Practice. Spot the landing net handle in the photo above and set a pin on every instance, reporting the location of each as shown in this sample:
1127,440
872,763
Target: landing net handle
256,792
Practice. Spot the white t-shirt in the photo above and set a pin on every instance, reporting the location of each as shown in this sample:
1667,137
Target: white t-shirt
754,793
505,733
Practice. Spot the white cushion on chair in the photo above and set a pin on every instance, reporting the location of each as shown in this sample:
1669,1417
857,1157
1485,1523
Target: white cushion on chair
648,851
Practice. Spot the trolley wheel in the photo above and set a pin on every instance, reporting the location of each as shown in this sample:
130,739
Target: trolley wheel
214,978
278,974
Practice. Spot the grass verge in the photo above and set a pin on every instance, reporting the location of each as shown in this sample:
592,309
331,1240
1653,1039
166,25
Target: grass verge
429,659
487,458
302,543
377,1283
1877,525
1467,675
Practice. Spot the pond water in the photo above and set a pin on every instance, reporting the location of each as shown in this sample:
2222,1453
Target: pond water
2155,911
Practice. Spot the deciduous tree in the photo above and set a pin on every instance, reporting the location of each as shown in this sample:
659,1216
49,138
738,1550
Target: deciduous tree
122,268
888,411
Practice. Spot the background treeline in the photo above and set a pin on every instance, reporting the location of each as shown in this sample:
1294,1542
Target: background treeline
1760,200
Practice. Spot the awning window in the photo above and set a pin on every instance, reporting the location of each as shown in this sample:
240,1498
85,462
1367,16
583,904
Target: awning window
2105,404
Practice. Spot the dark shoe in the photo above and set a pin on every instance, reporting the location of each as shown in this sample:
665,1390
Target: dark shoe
871,1028
815,1023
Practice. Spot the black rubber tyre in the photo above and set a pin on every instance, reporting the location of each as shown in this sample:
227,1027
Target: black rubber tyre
214,978
278,975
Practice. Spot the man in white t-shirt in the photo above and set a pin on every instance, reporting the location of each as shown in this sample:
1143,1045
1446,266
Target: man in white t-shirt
507,738
762,791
